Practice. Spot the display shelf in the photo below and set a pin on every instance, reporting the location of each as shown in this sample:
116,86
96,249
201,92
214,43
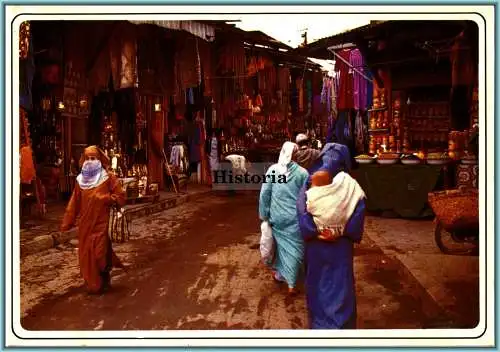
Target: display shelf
378,109
379,130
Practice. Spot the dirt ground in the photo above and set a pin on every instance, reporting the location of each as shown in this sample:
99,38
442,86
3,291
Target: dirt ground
192,267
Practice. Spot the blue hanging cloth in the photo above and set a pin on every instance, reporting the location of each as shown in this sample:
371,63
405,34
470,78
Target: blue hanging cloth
26,74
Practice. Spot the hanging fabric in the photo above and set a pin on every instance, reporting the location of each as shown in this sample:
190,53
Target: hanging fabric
300,90
26,69
345,92
128,74
334,97
198,63
186,60
369,91
309,96
205,50
325,93
359,82
359,132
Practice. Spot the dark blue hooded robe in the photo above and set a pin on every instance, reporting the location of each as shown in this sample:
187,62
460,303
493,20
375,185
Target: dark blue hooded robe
331,295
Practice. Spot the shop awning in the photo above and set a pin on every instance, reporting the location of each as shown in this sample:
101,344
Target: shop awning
198,29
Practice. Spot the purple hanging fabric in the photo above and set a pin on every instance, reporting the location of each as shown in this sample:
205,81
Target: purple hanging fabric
359,82
326,93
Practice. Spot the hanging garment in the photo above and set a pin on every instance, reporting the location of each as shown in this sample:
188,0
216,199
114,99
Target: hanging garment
198,63
214,154
359,132
27,166
204,173
342,132
205,50
300,91
128,72
178,157
186,61
325,93
309,96
369,91
190,93
316,106
333,97
345,97
359,82
26,74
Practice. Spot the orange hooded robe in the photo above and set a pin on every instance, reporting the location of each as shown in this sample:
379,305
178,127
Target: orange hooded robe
95,253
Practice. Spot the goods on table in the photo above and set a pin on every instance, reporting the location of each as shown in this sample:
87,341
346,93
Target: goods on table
391,156
364,159
410,159
456,209
437,158
364,156
388,158
469,159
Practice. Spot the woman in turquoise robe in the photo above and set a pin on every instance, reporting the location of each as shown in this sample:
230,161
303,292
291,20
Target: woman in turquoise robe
277,205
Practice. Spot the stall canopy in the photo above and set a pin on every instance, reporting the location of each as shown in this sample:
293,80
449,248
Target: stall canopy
403,40
257,41
395,43
201,30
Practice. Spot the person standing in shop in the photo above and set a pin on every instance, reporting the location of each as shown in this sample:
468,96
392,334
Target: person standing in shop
306,156
213,149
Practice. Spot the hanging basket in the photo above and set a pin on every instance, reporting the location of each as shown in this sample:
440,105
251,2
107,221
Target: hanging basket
456,209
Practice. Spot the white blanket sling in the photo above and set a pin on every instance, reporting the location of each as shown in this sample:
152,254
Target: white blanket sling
331,206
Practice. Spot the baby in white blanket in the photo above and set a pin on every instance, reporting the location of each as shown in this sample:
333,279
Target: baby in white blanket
332,201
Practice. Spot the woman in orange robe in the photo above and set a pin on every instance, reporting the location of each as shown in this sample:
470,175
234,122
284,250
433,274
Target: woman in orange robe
94,194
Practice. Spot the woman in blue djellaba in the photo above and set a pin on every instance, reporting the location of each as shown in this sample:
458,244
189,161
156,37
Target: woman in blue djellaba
330,288
277,205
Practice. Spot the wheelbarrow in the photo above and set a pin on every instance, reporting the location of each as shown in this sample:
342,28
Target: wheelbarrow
457,220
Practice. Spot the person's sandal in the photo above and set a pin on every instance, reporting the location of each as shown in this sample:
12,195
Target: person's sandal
275,279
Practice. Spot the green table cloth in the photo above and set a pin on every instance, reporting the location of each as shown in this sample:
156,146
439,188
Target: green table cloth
402,189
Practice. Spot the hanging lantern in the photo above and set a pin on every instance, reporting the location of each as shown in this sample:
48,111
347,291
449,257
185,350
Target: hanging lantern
24,40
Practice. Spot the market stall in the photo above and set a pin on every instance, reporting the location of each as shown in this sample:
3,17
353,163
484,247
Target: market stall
415,135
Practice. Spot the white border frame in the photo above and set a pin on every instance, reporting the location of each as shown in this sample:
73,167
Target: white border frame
438,337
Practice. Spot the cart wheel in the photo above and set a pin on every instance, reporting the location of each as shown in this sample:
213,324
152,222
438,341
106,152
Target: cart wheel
442,237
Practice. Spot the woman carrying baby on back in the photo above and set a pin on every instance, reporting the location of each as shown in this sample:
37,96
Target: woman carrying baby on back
331,211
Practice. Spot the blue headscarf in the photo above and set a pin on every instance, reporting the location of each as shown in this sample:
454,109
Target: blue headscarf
334,158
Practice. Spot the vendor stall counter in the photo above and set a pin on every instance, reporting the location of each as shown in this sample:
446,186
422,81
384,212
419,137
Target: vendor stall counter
401,189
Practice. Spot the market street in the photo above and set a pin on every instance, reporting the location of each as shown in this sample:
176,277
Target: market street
194,267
